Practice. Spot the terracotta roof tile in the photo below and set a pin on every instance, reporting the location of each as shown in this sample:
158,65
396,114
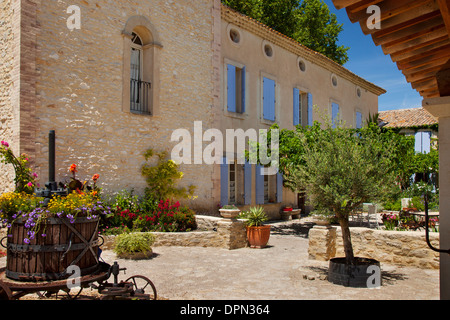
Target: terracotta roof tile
404,118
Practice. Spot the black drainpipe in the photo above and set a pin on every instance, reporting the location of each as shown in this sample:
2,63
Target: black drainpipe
427,232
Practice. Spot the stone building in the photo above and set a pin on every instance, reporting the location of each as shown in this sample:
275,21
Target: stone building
132,72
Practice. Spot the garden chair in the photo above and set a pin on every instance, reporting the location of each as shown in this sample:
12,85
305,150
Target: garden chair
357,215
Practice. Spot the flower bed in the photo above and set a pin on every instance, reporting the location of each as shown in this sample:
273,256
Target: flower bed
136,216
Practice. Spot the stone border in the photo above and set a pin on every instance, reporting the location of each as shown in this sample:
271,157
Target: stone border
211,232
406,248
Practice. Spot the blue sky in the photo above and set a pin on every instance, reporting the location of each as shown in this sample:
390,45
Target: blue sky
369,62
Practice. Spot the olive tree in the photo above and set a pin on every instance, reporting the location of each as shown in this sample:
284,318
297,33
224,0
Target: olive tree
340,168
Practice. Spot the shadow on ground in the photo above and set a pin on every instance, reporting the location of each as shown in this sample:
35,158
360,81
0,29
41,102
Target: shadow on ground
295,229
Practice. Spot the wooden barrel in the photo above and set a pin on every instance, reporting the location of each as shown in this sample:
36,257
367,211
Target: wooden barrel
47,258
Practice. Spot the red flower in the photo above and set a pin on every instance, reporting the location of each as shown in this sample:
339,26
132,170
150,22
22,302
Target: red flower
73,168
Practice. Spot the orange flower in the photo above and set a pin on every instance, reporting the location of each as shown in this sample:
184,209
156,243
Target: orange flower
95,177
73,168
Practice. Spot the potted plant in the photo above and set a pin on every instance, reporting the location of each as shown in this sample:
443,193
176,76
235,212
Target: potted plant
135,245
229,211
257,233
321,219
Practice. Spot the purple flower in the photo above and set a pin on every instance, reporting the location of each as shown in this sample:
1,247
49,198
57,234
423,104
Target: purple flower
26,240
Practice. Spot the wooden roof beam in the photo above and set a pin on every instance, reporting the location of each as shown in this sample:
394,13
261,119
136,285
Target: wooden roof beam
444,6
424,24
426,84
420,48
424,66
361,6
339,4
420,61
440,51
415,41
388,9
418,76
402,19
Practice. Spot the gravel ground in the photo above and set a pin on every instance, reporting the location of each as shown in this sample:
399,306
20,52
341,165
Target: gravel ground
281,271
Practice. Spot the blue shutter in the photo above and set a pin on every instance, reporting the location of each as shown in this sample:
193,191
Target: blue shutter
334,114
243,90
418,142
247,183
231,88
358,120
426,141
296,107
268,99
259,184
279,187
224,182
310,109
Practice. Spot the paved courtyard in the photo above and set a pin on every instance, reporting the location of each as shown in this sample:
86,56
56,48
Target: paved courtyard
282,271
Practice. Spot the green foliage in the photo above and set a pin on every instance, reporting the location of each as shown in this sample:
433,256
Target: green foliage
162,178
134,242
24,178
309,22
318,29
255,216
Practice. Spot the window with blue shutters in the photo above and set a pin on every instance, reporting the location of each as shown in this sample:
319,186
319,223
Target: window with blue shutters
269,99
235,89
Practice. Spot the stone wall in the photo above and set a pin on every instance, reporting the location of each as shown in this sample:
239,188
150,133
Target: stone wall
6,89
408,248
78,86
211,232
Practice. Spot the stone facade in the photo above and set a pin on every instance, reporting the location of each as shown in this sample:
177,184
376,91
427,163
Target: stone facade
76,82
408,248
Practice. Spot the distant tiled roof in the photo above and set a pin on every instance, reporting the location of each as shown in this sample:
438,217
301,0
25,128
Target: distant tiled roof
405,118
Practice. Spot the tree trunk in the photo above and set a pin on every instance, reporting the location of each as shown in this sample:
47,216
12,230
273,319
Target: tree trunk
346,237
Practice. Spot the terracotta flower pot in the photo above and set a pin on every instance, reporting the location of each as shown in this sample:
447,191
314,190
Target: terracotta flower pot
258,237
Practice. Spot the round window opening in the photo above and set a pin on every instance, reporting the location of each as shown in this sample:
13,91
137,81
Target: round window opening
268,50
302,65
334,81
235,36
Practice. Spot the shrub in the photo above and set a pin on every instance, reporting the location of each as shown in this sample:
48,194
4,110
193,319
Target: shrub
133,242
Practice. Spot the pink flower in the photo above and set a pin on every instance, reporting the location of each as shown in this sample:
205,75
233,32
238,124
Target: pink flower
4,143
30,184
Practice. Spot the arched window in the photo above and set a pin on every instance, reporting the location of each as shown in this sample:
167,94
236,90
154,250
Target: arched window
139,89
141,67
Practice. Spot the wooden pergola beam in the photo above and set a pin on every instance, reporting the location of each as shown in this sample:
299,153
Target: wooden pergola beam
340,4
419,49
414,12
415,41
416,27
444,6
416,34
388,9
